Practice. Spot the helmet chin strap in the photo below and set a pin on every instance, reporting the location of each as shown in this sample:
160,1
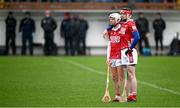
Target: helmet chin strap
115,24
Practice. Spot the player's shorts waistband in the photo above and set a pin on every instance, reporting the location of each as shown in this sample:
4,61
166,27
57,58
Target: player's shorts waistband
126,48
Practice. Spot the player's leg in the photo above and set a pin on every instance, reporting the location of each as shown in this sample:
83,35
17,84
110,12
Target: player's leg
124,63
123,80
116,83
121,75
132,83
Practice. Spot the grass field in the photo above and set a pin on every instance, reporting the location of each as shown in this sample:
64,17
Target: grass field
80,82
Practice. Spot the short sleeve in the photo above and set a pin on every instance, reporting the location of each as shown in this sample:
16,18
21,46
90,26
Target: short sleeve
132,26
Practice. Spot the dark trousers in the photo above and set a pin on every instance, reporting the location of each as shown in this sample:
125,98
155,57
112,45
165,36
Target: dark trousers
25,39
144,39
69,47
157,40
10,41
82,46
49,43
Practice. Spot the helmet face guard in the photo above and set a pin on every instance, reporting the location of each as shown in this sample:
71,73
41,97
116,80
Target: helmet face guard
126,13
116,17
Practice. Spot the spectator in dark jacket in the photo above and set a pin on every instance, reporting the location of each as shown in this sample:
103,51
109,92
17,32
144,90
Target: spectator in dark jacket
27,27
143,28
83,30
75,34
49,25
159,26
10,33
175,45
66,33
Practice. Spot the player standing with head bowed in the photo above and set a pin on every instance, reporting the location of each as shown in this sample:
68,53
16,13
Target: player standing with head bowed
129,37
129,56
114,54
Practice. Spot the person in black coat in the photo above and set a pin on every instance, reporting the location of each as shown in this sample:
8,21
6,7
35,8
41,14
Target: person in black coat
143,28
27,27
66,33
83,30
49,25
10,33
175,45
75,25
159,26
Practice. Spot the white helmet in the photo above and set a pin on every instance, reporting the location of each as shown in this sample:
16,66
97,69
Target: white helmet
116,16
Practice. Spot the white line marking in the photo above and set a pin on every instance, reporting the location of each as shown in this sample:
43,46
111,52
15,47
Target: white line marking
141,82
86,68
161,88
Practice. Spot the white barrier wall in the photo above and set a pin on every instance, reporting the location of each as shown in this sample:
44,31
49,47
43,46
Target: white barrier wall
97,23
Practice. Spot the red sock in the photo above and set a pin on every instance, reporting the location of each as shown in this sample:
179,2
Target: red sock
132,96
117,94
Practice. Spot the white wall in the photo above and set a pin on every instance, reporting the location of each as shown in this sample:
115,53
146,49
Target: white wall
97,23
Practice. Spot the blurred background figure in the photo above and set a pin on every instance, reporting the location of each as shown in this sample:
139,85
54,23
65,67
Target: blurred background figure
175,45
10,33
75,35
27,27
49,25
159,26
143,28
83,31
66,33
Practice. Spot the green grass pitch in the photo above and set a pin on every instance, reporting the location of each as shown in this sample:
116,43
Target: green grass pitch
80,82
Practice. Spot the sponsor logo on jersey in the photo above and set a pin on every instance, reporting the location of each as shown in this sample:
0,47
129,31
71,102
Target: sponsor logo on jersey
115,39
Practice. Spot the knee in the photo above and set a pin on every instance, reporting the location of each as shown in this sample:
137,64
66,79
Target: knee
115,78
131,74
122,77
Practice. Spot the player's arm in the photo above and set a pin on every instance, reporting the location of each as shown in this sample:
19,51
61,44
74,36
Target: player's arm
108,52
136,37
134,42
109,27
105,32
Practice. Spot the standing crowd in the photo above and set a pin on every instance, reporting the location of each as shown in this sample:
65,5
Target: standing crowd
73,29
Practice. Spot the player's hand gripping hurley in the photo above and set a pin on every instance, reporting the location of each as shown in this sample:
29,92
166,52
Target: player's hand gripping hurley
107,97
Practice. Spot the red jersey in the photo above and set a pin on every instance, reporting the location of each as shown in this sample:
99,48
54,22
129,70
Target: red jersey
126,33
115,46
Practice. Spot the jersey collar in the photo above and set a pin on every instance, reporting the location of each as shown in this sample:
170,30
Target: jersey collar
115,29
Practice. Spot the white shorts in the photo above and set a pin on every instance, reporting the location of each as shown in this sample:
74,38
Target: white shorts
129,60
115,62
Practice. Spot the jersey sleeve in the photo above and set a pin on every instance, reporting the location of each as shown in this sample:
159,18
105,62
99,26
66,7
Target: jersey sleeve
135,34
132,26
